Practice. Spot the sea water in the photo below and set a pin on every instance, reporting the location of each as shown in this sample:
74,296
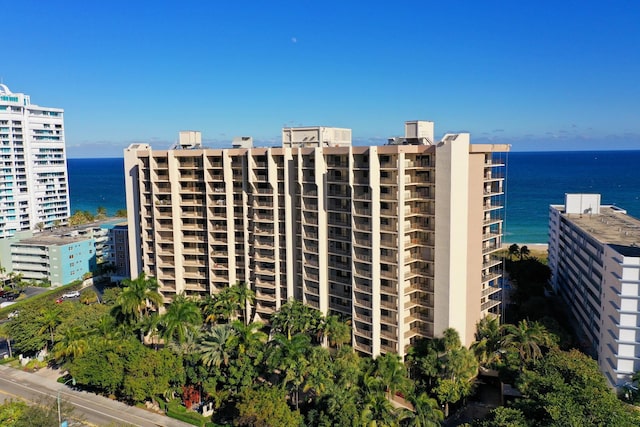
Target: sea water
534,181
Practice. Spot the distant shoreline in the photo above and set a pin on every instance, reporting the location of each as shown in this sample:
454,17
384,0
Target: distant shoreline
531,246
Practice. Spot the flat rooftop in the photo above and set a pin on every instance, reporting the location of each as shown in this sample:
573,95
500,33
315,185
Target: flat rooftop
65,235
51,239
611,226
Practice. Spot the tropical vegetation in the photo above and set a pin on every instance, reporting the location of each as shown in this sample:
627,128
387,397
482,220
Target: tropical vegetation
301,370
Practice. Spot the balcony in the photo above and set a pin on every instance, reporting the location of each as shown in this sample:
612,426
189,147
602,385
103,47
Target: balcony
422,331
362,317
162,188
421,316
363,195
266,296
489,304
361,270
388,242
362,302
263,231
363,332
491,263
363,348
423,285
362,256
389,319
487,207
310,247
490,249
490,276
490,290
491,221
490,175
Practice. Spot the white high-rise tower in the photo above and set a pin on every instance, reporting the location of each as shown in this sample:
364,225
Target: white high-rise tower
34,191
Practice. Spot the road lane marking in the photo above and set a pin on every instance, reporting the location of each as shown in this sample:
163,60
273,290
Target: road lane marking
83,400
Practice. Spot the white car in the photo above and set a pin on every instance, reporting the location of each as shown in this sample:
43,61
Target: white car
72,294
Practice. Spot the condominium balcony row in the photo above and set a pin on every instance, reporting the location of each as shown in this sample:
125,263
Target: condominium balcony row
399,238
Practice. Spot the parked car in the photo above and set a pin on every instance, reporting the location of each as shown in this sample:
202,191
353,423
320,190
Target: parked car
11,295
71,294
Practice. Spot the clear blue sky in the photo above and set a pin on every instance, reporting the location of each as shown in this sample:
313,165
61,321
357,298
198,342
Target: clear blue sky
556,75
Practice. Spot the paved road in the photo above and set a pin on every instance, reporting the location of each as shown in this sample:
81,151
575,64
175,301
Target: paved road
96,410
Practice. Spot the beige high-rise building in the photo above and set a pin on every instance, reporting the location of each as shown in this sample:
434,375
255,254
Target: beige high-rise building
400,238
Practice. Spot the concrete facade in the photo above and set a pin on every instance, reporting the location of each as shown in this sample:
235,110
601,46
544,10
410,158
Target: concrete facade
117,251
594,256
34,190
57,259
61,255
399,238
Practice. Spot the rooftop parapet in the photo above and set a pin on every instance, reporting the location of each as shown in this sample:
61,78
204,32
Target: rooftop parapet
316,136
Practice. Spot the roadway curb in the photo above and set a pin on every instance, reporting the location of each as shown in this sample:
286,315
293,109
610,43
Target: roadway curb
51,388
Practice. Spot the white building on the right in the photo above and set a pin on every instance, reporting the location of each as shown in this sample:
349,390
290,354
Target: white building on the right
594,256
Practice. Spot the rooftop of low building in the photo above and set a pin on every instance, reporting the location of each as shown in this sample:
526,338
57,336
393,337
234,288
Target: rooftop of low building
610,226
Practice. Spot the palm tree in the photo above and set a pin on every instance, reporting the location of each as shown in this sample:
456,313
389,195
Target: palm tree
50,319
72,344
248,338
524,252
4,333
527,339
226,305
295,317
379,412
488,343
182,316
208,309
188,346
319,376
215,346
393,374
456,368
426,412
347,367
245,297
514,249
332,330
340,334
138,297
149,327
289,357
101,212
106,332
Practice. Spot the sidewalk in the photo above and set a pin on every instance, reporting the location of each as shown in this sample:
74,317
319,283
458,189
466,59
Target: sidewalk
46,382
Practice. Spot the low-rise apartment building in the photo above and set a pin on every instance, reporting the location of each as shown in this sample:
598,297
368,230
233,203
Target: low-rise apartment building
59,256
594,256
400,238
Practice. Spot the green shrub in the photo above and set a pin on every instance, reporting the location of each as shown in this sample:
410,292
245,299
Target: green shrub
175,410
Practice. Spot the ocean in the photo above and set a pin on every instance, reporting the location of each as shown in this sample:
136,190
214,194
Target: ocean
534,181
96,182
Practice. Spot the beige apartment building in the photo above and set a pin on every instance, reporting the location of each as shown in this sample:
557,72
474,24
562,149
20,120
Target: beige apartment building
400,238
